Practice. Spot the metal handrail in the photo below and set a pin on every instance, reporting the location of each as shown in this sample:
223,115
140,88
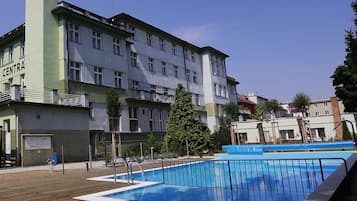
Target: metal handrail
237,174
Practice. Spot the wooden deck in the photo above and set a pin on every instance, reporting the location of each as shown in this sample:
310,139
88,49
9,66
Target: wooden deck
47,186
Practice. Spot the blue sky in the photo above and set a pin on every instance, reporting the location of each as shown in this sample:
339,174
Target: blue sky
277,48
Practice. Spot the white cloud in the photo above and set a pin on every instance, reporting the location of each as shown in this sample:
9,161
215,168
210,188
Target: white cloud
201,35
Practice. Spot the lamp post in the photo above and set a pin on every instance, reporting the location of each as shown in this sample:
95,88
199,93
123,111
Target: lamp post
353,130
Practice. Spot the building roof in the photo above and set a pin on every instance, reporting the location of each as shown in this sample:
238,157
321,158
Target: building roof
243,99
232,79
9,36
65,8
124,16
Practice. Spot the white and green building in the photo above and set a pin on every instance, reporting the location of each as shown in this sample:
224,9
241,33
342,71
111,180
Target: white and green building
57,67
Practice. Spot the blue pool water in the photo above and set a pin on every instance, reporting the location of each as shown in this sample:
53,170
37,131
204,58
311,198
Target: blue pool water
233,180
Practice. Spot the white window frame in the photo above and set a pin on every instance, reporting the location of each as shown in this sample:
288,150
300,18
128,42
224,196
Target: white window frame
74,33
148,39
133,117
98,75
74,71
132,30
97,40
162,44
118,79
116,46
163,68
151,64
133,59
136,84
194,77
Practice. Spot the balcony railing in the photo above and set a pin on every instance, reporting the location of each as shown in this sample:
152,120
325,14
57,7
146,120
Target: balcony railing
16,93
151,96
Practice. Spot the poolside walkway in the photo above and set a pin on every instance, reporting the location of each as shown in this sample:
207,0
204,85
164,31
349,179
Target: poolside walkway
38,183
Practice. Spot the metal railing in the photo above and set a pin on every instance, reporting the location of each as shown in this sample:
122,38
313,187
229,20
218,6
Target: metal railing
260,179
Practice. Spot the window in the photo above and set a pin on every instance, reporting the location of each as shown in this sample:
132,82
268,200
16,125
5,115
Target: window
118,79
217,89
153,88
287,134
174,49
243,137
22,81
116,46
325,103
317,113
97,40
218,68
186,54
74,71
224,94
149,39
11,52
188,75
176,71
193,58
91,111
133,119
151,64
213,66
22,49
166,91
98,75
194,77
162,44
132,31
133,59
74,33
1,57
197,99
163,68
327,112
151,122
135,84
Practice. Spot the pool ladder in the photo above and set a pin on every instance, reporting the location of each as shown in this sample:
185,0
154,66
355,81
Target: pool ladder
129,165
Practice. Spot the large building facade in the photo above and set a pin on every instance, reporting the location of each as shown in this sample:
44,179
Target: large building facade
65,55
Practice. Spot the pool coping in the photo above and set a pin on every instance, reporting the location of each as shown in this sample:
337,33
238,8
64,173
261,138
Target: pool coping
327,189
100,196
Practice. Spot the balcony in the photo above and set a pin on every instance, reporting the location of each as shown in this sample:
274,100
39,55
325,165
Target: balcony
151,96
16,93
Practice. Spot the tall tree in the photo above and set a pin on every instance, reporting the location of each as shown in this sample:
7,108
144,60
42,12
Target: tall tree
345,76
113,113
259,115
301,102
183,127
231,111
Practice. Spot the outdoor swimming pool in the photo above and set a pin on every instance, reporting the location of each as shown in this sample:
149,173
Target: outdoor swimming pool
233,180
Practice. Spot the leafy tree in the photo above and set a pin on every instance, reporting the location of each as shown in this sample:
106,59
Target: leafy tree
113,113
182,125
301,102
346,133
345,76
259,115
231,111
